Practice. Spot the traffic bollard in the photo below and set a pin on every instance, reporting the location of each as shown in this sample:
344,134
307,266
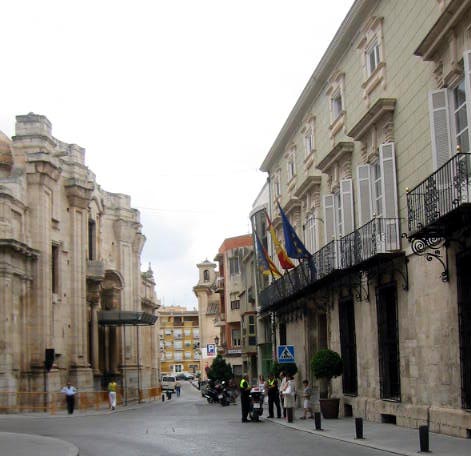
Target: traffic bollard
359,428
317,421
424,439
169,395
163,397
289,414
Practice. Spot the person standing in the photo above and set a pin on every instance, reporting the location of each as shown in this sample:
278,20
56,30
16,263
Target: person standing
289,394
273,396
307,400
70,392
112,387
245,397
178,387
283,386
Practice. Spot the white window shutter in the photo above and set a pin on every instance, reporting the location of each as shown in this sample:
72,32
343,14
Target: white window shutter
467,86
364,193
346,196
329,218
389,181
440,126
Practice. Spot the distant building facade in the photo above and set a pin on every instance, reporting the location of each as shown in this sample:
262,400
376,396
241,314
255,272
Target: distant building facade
70,274
206,292
179,340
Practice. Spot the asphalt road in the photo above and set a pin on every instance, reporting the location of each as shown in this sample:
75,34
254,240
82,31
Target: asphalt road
182,426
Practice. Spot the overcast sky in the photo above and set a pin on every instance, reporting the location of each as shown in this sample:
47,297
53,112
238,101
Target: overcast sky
176,103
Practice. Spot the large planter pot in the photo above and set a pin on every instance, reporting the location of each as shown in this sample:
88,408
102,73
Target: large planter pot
330,407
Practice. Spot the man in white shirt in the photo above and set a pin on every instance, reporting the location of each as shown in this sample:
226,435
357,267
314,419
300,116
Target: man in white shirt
69,392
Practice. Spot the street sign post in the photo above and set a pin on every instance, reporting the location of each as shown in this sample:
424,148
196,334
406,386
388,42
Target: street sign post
286,354
210,350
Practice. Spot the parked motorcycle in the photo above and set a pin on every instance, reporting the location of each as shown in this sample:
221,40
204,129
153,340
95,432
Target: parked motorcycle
223,394
256,404
211,393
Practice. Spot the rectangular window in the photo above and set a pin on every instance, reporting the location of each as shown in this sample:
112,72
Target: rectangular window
388,342
178,321
460,117
187,332
91,240
178,367
337,107
308,143
282,329
377,190
291,165
187,355
55,268
372,58
177,333
178,356
236,337
235,305
234,265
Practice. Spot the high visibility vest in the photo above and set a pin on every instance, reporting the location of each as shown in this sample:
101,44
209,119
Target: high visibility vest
244,384
271,382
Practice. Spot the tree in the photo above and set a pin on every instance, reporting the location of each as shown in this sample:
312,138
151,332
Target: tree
220,370
327,364
287,368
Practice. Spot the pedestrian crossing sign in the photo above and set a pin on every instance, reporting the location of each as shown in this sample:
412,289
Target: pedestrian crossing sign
286,354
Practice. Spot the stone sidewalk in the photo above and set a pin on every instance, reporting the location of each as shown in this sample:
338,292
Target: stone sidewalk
386,437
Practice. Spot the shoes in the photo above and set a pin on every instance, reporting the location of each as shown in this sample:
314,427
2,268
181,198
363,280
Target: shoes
270,416
311,417
302,418
279,417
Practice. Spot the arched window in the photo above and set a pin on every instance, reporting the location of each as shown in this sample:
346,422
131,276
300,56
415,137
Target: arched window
206,275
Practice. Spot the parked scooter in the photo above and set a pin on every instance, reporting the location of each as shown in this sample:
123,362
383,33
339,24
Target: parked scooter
256,404
223,394
211,393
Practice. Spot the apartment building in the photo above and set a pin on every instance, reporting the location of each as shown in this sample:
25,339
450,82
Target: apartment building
179,340
230,263
372,168
71,280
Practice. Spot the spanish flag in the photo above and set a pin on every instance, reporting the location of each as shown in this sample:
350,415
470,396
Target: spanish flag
285,262
265,264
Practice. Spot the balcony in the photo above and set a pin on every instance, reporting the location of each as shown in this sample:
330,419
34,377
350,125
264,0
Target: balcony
95,270
220,285
436,206
357,251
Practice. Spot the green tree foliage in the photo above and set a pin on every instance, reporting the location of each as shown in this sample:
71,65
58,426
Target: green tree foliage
220,370
288,368
327,364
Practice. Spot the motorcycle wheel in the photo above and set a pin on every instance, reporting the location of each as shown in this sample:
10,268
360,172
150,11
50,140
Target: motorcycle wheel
210,401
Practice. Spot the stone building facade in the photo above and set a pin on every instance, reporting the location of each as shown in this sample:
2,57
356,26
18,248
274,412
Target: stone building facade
70,273
372,168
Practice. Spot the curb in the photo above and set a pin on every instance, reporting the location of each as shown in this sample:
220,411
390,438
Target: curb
363,442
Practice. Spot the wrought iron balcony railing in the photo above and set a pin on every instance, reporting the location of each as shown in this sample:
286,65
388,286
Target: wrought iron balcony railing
379,236
444,191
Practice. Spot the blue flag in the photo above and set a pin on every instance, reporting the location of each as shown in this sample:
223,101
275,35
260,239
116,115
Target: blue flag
294,247
265,264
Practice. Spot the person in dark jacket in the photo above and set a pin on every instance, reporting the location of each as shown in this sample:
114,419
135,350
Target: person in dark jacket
245,397
271,386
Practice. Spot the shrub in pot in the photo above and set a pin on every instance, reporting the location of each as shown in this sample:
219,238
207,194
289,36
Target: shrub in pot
328,364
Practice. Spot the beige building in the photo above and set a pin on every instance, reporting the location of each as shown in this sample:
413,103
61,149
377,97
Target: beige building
369,152
70,275
179,340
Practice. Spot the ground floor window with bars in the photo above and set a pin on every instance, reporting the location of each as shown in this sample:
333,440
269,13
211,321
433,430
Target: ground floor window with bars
464,308
388,342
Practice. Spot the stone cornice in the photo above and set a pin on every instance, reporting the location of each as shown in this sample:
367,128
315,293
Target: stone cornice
292,205
340,150
436,36
378,110
44,164
79,193
19,247
340,44
308,184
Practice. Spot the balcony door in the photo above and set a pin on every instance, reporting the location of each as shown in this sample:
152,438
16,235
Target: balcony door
348,345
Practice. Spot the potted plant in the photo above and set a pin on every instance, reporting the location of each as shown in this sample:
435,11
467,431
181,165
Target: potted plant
328,364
